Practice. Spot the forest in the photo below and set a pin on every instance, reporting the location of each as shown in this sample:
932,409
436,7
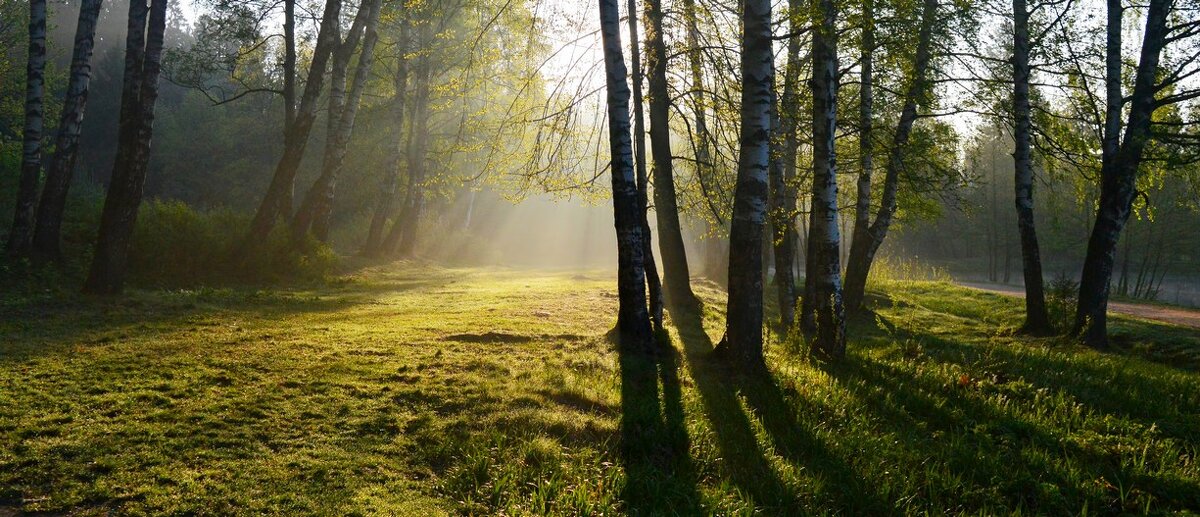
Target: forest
566,257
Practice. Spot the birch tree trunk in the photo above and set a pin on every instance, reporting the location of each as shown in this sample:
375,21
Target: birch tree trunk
47,227
143,57
653,283
633,318
289,65
391,189
865,245
277,201
402,239
315,211
1037,320
783,187
866,128
20,236
824,237
676,276
1117,188
743,331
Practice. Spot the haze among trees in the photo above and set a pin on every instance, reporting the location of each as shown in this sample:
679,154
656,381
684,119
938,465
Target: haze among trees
512,257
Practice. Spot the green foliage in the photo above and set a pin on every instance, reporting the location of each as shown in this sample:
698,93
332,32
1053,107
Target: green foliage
1062,296
177,246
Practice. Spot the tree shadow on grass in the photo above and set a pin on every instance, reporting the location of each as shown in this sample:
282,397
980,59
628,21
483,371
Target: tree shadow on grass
660,477
745,460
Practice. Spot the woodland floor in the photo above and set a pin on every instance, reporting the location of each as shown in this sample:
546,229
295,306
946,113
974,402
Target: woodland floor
416,390
1175,315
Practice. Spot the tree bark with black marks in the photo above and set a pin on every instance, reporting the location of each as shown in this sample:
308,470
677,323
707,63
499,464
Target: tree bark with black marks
864,245
866,129
653,283
676,276
47,229
783,210
743,331
1118,174
289,65
391,189
317,207
20,236
633,318
403,236
1037,320
143,57
277,201
824,237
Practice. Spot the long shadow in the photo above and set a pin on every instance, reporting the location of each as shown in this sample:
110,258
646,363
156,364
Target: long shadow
747,464
794,441
660,477
1150,403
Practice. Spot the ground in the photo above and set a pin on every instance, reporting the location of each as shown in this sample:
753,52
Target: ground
416,390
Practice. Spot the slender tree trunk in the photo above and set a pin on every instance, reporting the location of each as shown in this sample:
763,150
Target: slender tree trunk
676,276
402,239
1037,320
744,321
866,128
633,318
48,223
20,237
639,147
825,239
784,213
391,190
277,201
289,65
143,55
1118,177
865,245
315,211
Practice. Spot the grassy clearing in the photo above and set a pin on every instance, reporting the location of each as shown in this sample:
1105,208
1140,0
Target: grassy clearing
420,391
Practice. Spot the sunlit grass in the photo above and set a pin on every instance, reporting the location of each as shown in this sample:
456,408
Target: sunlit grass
418,391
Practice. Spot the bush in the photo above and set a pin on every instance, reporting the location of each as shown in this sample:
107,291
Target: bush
175,246
1061,300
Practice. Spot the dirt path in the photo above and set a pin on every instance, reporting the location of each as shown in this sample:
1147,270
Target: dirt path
1174,315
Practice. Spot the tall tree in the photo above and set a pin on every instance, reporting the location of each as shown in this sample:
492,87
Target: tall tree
676,276
866,128
783,190
743,331
824,241
139,93
277,201
1118,173
48,223
639,147
391,189
633,318
1037,320
20,237
317,207
864,245
403,237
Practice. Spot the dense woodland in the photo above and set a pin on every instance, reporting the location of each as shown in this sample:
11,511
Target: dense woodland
792,156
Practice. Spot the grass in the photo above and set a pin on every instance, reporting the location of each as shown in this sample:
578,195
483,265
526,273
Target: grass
414,390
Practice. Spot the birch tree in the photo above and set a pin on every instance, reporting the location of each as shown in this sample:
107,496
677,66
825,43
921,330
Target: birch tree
48,223
139,93
743,331
20,236
633,318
